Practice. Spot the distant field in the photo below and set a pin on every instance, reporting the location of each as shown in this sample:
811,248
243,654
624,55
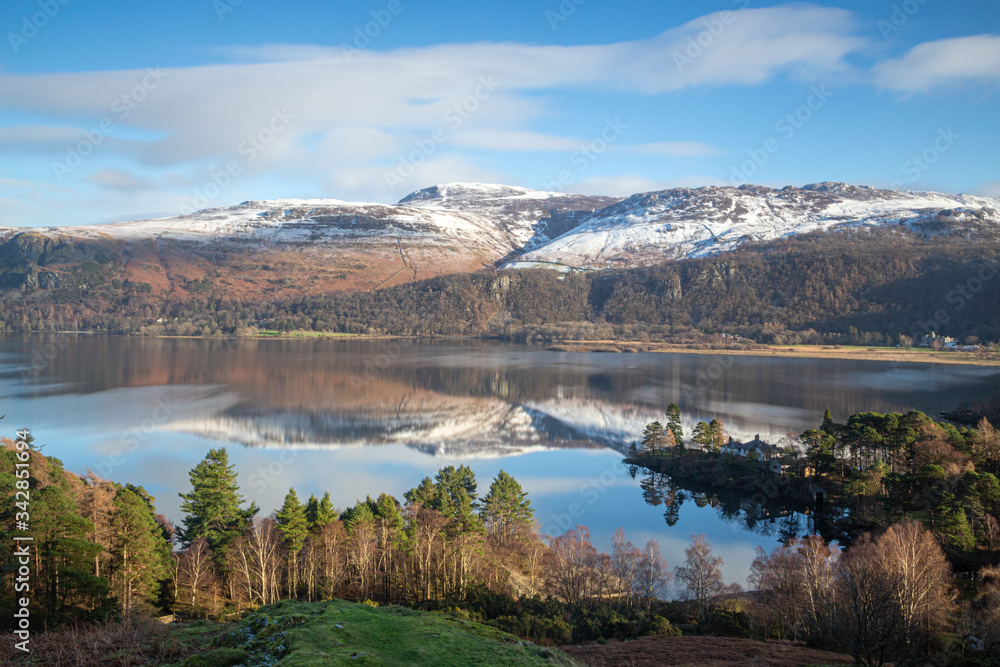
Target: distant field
272,333
915,355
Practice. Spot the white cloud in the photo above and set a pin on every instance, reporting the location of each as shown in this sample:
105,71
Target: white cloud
616,186
21,184
208,112
941,63
515,140
352,119
673,148
123,181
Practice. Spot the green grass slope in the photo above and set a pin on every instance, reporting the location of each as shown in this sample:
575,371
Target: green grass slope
301,634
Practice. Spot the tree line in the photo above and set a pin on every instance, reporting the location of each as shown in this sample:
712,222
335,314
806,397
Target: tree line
857,287
892,595
916,501
102,552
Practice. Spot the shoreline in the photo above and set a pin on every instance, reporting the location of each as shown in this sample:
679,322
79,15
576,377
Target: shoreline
898,355
848,353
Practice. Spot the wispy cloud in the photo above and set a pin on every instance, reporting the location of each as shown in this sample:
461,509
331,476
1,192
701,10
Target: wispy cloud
945,62
352,118
381,100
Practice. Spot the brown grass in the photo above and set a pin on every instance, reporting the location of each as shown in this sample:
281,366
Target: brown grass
141,641
703,652
896,354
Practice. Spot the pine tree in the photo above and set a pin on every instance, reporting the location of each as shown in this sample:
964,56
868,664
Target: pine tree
717,434
212,508
293,526
457,498
360,513
506,508
702,436
828,425
140,555
320,513
425,495
653,437
312,507
64,554
674,424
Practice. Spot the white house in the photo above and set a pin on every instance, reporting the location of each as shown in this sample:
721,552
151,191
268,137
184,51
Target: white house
763,450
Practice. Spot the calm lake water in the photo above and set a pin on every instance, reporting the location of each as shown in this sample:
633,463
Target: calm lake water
361,417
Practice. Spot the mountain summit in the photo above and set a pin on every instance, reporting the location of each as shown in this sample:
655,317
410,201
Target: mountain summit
289,247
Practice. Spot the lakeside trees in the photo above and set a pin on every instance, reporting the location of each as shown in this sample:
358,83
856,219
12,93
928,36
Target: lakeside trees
916,498
212,509
875,470
889,597
96,546
818,288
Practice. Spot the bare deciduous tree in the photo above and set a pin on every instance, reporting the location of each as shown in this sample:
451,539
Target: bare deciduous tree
573,574
870,619
195,572
701,575
910,555
625,559
652,573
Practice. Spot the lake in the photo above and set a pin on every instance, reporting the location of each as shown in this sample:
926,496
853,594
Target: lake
359,417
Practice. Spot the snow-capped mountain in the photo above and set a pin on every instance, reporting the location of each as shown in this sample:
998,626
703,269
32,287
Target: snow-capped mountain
450,426
291,247
497,217
674,224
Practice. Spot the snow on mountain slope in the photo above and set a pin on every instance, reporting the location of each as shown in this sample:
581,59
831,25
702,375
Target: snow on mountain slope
496,217
291,247
453,427
288,248
684,222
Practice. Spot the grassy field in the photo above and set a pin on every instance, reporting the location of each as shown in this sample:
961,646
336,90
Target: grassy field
301,634
273,333
892,354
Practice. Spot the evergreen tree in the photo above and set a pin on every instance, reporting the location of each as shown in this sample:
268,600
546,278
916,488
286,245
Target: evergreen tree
312,507
293,525
674,424
506,508
828,425
320,513
456,481
140,555
390,527
702,436
358,514
653,437
212,507
819,451
717,435
64,554
425,495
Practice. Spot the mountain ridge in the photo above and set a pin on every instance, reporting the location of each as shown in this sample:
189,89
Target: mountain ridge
286,247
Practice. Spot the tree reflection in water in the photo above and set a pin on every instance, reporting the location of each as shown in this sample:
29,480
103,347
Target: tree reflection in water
755,512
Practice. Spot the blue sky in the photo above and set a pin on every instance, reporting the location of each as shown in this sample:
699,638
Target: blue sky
115,111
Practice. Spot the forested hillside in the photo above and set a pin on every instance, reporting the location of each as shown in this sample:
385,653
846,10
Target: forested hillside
861,287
